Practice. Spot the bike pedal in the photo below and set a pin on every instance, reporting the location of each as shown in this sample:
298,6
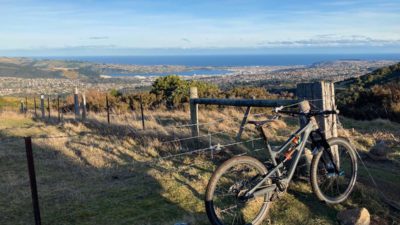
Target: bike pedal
274,197
280,185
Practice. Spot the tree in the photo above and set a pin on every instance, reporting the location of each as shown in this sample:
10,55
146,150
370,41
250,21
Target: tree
175,91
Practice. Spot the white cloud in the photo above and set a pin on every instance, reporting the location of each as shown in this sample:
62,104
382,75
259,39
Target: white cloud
331,40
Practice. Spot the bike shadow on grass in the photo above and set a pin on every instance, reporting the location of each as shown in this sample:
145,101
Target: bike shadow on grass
300,206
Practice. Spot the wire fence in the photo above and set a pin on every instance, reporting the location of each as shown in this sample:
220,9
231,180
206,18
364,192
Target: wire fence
54,174
58,193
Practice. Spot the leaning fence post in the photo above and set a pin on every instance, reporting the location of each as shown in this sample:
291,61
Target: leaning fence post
42,105
32,179
108,110
141,110
83,106
76,103
242,125
194,108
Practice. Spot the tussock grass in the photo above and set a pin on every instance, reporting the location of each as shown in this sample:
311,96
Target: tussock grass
104,175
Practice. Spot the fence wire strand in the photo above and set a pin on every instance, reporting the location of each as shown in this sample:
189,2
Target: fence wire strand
214,148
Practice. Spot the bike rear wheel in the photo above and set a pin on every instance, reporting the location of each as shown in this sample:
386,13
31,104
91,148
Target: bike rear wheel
330,186
224,195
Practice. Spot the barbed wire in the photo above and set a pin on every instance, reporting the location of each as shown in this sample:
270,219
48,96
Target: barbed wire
218,147
213,148
194,137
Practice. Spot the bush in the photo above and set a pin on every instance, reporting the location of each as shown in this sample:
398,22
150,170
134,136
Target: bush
174,91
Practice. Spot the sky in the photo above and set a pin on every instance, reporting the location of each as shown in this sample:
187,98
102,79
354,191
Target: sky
123,27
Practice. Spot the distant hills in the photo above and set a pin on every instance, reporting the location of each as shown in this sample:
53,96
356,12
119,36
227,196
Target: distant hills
380,76
373,95
31,68
23,68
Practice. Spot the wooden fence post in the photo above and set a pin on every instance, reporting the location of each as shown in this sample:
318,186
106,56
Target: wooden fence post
26,105
48,105
76,103
34,105
58,108
141,109
22,107
194,108
108,109
83,106
42,105
322,96
32,179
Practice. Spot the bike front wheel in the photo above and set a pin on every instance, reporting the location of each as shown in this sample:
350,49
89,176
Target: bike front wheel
329,185
224,200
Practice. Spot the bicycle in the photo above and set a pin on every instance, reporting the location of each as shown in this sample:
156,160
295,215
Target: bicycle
242,189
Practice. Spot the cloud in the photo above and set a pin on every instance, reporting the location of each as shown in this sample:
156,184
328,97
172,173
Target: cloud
186,40
333,40
99,37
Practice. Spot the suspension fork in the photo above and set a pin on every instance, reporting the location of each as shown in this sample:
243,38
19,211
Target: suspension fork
325,147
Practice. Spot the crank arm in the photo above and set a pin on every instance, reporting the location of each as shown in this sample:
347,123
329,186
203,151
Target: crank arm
264,191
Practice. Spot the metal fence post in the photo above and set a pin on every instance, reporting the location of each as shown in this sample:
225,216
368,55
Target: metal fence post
32,179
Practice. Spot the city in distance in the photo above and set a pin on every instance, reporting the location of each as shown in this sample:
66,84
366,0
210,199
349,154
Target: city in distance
200,112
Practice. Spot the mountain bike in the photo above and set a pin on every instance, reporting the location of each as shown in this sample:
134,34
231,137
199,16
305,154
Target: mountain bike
242,189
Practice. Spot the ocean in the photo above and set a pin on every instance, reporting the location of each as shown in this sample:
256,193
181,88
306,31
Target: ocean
229,60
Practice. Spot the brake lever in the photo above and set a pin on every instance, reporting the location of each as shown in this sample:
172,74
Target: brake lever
277,109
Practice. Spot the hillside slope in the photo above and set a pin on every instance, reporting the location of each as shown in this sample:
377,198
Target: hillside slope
25,71
374,95
380,76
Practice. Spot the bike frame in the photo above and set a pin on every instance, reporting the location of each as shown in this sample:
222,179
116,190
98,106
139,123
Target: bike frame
304,132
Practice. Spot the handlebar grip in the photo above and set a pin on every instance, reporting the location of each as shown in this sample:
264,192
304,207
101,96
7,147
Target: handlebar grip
335,111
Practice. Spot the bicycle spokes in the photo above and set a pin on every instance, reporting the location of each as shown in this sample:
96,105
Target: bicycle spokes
231,204
335,182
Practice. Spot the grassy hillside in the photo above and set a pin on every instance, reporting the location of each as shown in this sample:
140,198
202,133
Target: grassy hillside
101,174
25,71
374,95
32,68
380,76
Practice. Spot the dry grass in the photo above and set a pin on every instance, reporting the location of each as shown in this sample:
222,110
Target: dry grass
103,175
